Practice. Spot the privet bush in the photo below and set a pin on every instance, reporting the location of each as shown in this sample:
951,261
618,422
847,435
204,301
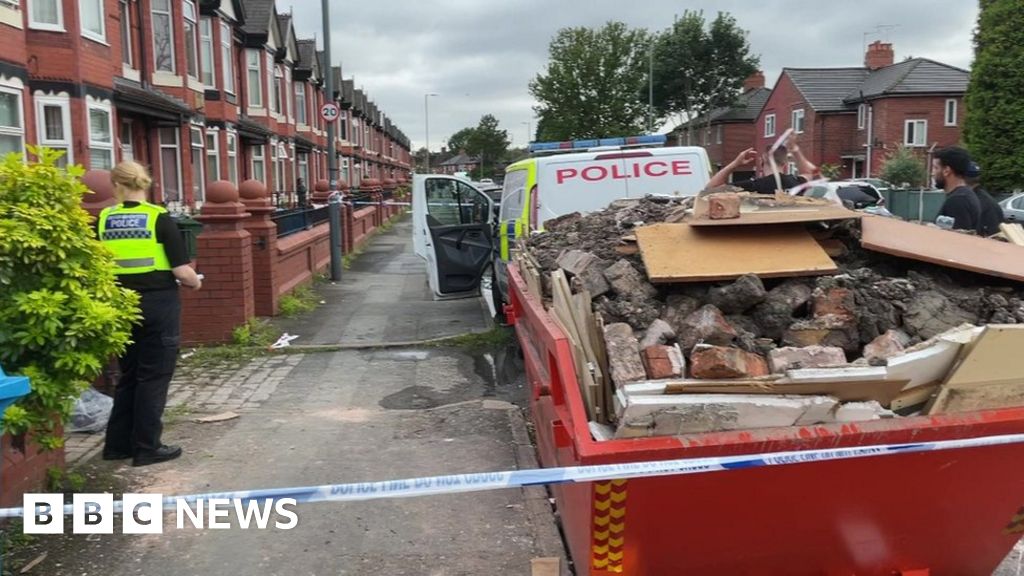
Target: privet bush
62,314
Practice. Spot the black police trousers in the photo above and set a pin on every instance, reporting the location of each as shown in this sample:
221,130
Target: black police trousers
146,370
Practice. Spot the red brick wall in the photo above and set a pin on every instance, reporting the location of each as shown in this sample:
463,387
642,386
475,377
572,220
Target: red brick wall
300,256
890,115
23,468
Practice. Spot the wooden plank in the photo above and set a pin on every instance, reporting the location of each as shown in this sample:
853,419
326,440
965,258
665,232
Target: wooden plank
942,247
914,396
987,375
545,567
781,216
1013,232
680,253
881,391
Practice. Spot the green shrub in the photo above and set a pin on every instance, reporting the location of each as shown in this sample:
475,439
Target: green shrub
63,314
255,332
299,301
904,168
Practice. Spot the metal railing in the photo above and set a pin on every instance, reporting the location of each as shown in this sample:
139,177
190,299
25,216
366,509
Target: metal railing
295,220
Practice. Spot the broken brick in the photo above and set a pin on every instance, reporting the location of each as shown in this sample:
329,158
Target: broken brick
890,344
839,302
705,325
586,268
663,362
715,362
743,294
791,358
659,332
626,281
624,360
723,206
825,331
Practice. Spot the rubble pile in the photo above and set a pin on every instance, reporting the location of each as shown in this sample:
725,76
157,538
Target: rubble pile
875,307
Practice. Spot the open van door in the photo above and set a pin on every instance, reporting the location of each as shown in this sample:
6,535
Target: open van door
452,226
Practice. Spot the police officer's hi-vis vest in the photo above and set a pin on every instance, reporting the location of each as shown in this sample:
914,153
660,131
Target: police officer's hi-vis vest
130,233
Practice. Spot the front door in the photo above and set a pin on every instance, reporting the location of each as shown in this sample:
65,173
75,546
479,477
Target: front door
452,222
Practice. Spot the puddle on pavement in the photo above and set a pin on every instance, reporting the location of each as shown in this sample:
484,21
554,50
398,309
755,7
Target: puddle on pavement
496,373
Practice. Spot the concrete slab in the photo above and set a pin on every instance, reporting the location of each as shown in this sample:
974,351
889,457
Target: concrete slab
384,298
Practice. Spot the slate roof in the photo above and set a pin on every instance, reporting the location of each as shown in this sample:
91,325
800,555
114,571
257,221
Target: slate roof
284,22
307,53
825,89
257,16
839,89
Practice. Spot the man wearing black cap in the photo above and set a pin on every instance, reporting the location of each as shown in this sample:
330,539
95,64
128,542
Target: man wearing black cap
949,170
991,213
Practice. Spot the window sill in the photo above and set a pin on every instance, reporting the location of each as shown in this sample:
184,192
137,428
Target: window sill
130,73
168,79
101,40
46,27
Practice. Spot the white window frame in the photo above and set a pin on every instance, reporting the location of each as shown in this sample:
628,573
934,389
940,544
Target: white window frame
231,146
19,92
207,47
64,103
923,133
100,36
125,33
262,175
192,22
227,58
177,154
48,26
278,88
951,106
797,118
769,125
289,95
302,167
250,67
197,148
213,154
862,116
170,21
107,147
301,105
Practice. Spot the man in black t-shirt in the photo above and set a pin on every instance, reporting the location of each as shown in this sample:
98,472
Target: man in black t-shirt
767,184
949,170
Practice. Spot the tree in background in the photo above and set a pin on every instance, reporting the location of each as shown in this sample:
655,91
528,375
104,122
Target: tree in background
699,68
994,129
903,168
488,142
460,140
592,83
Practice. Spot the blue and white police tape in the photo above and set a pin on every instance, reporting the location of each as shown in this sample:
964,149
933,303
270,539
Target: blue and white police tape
457,483
389,203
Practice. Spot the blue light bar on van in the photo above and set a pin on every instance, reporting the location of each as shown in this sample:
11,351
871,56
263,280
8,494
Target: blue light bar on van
594,143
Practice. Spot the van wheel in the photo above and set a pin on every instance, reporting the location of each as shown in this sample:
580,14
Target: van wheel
497,300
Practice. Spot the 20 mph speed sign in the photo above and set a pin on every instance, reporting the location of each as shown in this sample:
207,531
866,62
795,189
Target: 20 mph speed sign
329,112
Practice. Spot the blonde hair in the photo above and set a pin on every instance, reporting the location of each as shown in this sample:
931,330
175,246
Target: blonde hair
131,176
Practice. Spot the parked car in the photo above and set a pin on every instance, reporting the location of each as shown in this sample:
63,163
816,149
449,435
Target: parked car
878,183
1013,208
857,193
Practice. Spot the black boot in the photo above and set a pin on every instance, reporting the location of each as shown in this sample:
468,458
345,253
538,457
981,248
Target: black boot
161,454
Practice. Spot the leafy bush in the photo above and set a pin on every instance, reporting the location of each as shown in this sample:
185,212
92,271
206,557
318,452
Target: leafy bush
831,171
63,313
903,168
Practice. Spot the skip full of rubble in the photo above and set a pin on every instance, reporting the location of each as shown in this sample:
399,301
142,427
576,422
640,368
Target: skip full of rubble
874,309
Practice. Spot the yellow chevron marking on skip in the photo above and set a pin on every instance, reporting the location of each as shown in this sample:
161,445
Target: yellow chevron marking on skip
602,506
618,498
615,556
602,535
617,513
602,520
603,488
618,482
600,550
616,542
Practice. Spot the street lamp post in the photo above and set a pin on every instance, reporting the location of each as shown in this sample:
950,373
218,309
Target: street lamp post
426,125
334,200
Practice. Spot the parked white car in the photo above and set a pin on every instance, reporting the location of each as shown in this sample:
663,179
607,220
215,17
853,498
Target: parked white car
857,193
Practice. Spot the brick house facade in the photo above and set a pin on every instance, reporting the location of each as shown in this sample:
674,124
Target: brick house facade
198,90
854,118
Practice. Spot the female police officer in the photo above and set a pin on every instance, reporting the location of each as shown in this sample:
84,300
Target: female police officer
150,258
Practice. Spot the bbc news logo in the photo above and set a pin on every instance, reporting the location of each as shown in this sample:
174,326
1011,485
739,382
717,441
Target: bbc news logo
144,514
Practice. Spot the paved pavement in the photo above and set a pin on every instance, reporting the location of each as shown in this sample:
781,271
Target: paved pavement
330,417
384,298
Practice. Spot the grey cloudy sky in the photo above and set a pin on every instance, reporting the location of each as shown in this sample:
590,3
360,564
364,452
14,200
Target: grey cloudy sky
478,56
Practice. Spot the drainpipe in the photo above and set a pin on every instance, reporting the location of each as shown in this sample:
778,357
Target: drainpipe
871,138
